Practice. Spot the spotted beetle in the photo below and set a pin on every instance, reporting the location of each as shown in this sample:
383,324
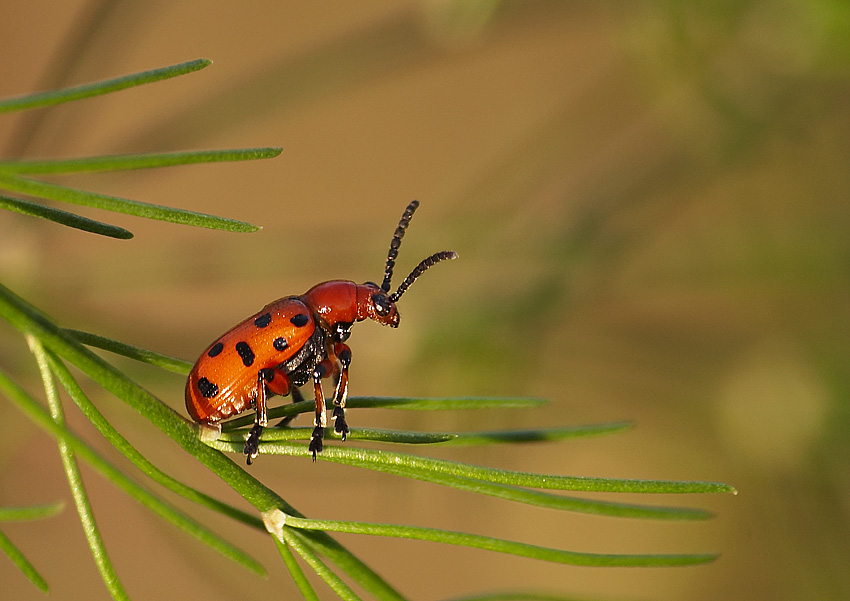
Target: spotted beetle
294,340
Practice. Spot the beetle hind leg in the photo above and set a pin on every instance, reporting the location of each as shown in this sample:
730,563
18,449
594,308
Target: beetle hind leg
275,383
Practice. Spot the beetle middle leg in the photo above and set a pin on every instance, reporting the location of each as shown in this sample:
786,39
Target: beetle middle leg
320,422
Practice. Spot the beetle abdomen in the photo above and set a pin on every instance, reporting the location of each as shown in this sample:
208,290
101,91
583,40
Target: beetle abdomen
224,380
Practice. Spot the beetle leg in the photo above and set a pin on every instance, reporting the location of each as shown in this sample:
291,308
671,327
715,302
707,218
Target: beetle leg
261,419
321,419
343,353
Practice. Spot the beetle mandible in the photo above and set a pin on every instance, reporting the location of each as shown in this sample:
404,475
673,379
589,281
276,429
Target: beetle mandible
292,341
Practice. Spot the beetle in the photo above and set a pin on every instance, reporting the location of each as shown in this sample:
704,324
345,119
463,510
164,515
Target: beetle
292,341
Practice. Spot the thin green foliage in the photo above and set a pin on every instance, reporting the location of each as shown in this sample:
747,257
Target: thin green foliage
105,202
59,341
298,576
404,403
54,97
24,565
501,546
160,507
25,207
334,582
163,509
126,162
18,514
55,349
462,476
12,172
75,481
28,319
33,512
133,352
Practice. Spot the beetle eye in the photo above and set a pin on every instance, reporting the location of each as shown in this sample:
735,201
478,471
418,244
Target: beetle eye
382,304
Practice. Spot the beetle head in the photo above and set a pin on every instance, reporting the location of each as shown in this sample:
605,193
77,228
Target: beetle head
381,305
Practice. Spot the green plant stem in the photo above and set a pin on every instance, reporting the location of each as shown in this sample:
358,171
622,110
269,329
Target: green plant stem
295,570
75,481
67,194
73,220
389,461
132,352
491,487
18,558
140,461
501,546
124,162
403,403
33,512
333,581
53,97
165,510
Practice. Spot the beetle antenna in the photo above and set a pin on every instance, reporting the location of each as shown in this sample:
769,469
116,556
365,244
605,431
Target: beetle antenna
396,242
420,269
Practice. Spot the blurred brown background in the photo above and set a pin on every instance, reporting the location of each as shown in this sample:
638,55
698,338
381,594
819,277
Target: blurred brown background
650,202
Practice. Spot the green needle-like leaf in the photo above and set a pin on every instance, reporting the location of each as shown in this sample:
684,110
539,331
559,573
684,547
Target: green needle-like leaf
396,465
403,403
336,583
53,97
28,319
22,562
295,571
120,205
33,512
389,436
446,438
140,461
138,161
445,404
133,352
63,217
154,503
72,471
502,546
543,435
373,459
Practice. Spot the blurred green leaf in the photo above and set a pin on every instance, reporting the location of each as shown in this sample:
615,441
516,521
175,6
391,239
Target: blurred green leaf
63,217
106,86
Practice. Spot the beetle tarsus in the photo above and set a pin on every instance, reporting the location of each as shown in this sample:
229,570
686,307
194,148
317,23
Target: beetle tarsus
252,443
340,425
316,441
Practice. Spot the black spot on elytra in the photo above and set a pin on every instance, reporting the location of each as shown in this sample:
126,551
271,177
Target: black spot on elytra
263,320
280,344
215,351
245,353
207,388
299,320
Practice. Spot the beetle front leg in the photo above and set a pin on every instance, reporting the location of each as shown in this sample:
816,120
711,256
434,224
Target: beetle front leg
343,353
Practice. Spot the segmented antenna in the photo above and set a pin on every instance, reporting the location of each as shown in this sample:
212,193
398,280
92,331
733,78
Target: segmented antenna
419,270
396,242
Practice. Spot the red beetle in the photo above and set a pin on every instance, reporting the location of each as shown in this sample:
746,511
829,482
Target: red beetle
294,340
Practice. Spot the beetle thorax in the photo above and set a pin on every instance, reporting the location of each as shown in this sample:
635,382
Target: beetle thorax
334,301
